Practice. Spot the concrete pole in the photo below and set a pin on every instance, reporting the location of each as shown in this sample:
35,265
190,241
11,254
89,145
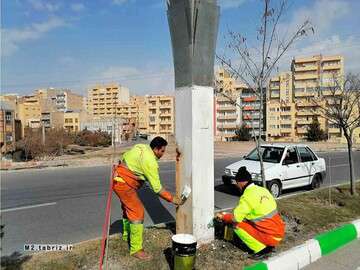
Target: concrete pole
195,167
43,133
193,27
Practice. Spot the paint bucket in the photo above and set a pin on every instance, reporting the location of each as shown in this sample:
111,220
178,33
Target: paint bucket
228,232
184,251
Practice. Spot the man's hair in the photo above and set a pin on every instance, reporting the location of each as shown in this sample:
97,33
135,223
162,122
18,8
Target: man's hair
158,142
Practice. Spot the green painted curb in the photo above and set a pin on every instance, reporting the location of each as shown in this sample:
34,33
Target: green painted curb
330,241
258,266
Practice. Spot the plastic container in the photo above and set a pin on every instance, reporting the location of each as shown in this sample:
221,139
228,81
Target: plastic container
228,232
184,251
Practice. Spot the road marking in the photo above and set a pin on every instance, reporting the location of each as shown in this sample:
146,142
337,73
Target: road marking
26,207
339,165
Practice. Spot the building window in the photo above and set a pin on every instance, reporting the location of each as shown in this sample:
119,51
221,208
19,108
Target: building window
8,117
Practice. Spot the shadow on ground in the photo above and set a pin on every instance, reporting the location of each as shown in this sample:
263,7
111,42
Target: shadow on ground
14,261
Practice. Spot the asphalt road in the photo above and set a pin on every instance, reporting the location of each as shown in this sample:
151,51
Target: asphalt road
67,205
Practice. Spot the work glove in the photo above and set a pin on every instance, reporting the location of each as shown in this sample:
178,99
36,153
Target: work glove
225,217
166,195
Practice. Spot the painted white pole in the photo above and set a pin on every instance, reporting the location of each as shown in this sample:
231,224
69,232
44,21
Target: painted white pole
195,142
193,27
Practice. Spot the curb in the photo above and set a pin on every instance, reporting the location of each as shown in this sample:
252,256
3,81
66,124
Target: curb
312,250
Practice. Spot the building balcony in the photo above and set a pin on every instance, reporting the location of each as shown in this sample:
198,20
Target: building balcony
331,67
226,135
303,121
227,126
286,113
299,77
306,68
249,99
331,92
334,130
247,117
306,59
302,130
304,93
248,108
226,108
306,104
222,99
285,121
307,113
227,117
274,95
286,130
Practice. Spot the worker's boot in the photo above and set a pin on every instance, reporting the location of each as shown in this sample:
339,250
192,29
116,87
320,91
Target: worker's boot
142,255
263,254
126,229
136,240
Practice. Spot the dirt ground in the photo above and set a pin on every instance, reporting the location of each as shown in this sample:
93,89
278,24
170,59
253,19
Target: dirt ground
306,215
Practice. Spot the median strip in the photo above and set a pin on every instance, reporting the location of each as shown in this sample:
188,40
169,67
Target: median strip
303,255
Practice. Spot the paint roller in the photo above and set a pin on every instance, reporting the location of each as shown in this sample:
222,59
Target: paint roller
185,193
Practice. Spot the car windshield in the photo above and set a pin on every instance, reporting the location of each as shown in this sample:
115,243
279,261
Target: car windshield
269,154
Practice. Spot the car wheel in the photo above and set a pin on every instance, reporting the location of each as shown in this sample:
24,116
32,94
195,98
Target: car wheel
316,181
275,188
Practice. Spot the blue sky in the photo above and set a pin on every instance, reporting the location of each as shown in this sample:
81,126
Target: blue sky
77,43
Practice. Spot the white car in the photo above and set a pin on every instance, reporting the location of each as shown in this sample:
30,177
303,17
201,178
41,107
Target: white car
286,166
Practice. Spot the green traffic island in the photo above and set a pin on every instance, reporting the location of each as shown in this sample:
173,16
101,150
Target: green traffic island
306,215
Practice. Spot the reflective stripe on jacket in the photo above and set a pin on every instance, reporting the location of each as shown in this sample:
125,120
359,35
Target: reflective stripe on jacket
141,160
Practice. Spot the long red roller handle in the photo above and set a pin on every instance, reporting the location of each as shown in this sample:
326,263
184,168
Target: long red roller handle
106,225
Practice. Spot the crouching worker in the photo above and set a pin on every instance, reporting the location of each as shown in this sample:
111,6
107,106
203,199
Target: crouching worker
255,219
138,165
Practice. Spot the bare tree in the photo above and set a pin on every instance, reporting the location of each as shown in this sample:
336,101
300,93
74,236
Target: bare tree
253,62
339,103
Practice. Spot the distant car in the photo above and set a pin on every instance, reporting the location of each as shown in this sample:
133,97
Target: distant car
285,167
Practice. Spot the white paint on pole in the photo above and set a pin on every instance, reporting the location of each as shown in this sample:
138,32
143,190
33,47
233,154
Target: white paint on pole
195,142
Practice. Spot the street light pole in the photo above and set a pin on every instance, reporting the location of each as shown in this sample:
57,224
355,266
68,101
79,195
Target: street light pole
193,28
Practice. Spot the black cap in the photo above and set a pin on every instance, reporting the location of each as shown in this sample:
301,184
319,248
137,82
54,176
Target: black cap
243,175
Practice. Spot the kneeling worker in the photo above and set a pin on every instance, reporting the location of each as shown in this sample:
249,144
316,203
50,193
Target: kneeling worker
255,219
139,164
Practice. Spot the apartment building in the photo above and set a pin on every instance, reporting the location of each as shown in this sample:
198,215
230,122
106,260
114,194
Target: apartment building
142,123
226,106
235,104
161,115
250,111
72,120
291,106
281,108
7,127
52,119
106,100
61,100
29,112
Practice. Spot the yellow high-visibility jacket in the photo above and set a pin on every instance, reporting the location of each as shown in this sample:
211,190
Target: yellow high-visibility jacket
141,160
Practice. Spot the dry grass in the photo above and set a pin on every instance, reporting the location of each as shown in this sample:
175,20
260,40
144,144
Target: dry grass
306,215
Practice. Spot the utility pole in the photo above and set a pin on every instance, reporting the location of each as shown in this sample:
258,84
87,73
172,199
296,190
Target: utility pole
43,133
193,28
